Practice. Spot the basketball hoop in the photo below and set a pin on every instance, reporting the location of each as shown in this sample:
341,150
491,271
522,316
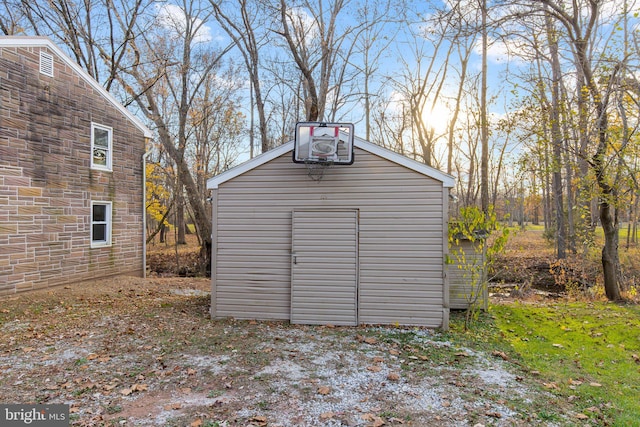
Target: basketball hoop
323,142
316,168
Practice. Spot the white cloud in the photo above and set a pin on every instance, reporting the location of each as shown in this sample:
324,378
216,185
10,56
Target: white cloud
173,18
301,22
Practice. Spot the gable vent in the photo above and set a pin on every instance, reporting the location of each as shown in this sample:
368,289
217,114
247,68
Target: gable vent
46,64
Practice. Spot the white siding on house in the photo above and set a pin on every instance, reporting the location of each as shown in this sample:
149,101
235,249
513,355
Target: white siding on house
400,245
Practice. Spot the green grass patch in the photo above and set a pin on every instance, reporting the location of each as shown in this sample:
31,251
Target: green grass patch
587,352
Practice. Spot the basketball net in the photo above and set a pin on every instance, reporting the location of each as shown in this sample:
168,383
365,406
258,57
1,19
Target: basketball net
316,168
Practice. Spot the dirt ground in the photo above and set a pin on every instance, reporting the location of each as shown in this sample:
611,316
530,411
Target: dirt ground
132,351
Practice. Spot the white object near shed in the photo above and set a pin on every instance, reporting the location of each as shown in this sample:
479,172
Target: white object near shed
366,244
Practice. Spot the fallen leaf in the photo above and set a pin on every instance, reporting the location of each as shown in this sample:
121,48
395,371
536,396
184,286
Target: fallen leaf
367,417
324,390
191,371
140,387
582,416
92,356
378,359
595,384
327,415
500,354
374,368
494,414
370,340
393,376
375,421
394,352
126,391
196,423
446,404
259,420
557,345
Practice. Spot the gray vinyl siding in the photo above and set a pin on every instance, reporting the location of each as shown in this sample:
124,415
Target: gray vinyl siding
461,274
401,226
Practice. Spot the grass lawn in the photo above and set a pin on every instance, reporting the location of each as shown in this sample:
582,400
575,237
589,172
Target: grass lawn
585,352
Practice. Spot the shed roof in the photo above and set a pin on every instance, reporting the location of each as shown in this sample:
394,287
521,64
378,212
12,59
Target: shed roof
32,41
446,179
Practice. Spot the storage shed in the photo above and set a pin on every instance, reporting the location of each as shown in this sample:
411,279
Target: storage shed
365,244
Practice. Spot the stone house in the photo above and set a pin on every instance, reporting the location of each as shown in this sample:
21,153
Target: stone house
71,173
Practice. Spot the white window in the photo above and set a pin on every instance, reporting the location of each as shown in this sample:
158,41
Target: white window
100,224
101,147
46,64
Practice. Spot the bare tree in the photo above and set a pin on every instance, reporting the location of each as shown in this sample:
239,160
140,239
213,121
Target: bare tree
172,64
315,42
244,21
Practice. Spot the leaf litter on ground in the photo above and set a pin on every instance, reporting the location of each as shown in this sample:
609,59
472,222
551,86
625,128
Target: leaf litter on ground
145,352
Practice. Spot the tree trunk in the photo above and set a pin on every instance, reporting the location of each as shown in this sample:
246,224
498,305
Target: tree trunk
556,142
484,127
181,238
610,261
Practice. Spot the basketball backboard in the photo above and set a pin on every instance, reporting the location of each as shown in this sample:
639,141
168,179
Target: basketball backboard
317,142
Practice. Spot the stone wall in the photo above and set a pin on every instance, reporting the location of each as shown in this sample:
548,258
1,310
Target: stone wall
47,185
